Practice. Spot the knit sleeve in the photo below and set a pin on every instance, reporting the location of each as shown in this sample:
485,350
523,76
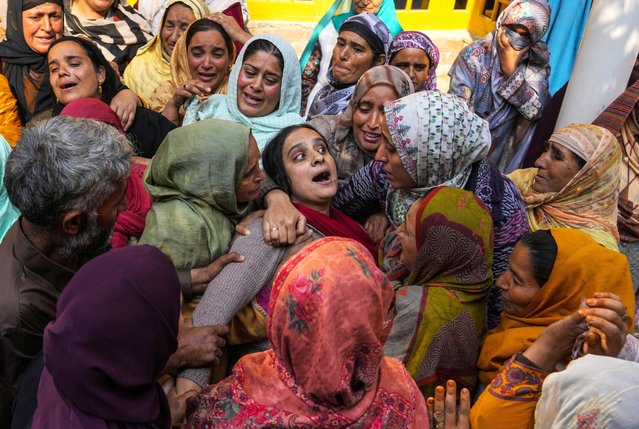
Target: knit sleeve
235,286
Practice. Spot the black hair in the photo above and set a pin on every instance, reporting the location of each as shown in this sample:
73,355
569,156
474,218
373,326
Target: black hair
205,24
263,45
579,160
542,248
273,158
112,84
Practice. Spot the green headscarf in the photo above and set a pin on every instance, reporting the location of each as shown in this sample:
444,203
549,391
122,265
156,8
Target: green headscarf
192,180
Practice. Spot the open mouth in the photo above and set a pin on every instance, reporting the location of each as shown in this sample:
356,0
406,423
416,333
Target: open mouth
207,77
68,85
251,100
371,137
324,177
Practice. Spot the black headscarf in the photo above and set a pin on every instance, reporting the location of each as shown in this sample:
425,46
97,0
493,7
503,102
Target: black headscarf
18,59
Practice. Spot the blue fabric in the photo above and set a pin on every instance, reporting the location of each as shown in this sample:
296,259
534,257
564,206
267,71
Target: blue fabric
568,20
8,213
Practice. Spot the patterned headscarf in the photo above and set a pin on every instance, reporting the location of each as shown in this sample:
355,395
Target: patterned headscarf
418,40
535,16
438,139
443,304
589,200
327,326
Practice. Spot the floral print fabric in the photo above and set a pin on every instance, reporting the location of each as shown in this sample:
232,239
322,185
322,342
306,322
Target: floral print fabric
327,326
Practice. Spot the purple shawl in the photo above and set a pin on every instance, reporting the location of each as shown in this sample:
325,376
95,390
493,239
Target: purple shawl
116,326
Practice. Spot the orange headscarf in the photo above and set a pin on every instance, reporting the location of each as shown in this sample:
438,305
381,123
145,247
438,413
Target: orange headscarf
331,310
582,268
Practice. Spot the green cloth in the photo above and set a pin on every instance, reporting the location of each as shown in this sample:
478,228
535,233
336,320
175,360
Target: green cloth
192,180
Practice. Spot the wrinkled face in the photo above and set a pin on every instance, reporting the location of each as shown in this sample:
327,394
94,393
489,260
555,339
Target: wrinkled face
556,167
208,58
393,166
41,25
310,168
352,56
370,6
517,283
415,63
249,186
407,235
72,73
368,116
259,85
178,18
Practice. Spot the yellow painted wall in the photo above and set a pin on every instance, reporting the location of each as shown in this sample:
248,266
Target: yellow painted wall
438,15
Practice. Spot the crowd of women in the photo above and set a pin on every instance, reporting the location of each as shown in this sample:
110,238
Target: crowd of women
396,257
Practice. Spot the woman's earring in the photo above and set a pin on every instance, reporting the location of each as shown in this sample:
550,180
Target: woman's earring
99,87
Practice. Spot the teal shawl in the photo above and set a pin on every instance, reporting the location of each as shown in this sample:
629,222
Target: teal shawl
264,127
339,12
8,212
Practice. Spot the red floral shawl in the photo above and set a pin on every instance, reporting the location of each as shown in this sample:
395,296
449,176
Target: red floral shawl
331,310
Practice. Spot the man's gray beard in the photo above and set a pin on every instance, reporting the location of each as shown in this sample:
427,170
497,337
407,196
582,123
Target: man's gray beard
89,242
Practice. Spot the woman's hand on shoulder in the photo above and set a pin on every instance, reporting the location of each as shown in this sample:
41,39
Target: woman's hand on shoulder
377,226
283,223
443,411
124,104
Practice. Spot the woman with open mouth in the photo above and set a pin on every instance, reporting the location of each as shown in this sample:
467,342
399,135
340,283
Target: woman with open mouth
77,69
151,65
263,91
32,26
200,67
354,136
362,43
433,139
299,162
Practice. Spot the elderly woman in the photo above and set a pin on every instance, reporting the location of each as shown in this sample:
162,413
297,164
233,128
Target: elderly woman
201,182
79,70
418,56
104,375
447,255
550,274
299,162
151,67
354,136
326,367
362,43
318,53
202,62
433,139
117,28
575,183
264,90
504,79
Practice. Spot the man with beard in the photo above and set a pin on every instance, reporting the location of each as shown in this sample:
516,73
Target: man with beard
67,176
